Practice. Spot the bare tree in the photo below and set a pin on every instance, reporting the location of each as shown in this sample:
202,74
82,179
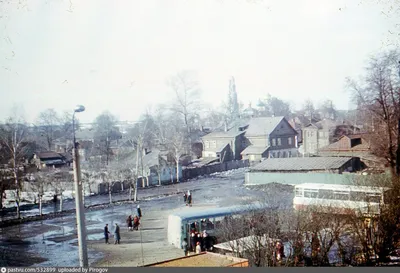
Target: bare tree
255,236
378,92
328,110
187,100
14,137
48,125
309,109
177,145
127,171
105,133
273,106
377,231
59,181
40,182
215,119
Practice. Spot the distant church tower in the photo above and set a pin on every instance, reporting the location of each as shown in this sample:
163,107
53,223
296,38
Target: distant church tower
233,104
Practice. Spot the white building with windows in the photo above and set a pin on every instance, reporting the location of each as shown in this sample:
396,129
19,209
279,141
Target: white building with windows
317,135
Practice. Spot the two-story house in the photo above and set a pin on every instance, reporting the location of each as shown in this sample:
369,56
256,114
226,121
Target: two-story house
317,135
226,145
270,137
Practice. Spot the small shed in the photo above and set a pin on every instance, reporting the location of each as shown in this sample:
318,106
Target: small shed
205,259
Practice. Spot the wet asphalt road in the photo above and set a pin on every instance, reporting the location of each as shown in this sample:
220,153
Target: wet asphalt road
53,242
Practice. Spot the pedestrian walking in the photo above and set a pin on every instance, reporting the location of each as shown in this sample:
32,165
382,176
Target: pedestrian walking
129,222
106,233
189,200
185,246
136,223
139,211
185,198
117,235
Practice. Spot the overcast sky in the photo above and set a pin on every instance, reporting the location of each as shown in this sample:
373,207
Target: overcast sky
117,55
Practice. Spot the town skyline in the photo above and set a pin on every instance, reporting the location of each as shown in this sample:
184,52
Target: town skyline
124,67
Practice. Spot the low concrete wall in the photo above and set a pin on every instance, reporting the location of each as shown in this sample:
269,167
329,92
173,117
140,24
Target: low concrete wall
260,178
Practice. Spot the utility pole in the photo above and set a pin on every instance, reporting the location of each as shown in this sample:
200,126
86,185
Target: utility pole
398,135
80,210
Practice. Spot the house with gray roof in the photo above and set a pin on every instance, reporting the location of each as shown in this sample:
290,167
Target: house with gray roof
225,145
305,164
270,137
297,170
51,159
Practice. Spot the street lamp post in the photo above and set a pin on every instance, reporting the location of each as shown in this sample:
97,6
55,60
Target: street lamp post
398,137
80,213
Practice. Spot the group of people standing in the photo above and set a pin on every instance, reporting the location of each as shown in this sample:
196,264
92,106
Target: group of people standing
133,223
187,198
198,242
117,235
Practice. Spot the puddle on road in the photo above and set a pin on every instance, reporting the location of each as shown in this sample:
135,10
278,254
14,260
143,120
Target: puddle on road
55,239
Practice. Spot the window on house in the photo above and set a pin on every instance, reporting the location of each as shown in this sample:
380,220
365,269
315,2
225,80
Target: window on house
299,192
279,141
213,144
278,155
273,142
283,154
289,141
207,144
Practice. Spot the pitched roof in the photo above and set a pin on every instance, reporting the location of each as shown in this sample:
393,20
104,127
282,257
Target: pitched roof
151,159
229,134
49,155
67,156
217,149
315,125
337,146
301,164
263,126
257,150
